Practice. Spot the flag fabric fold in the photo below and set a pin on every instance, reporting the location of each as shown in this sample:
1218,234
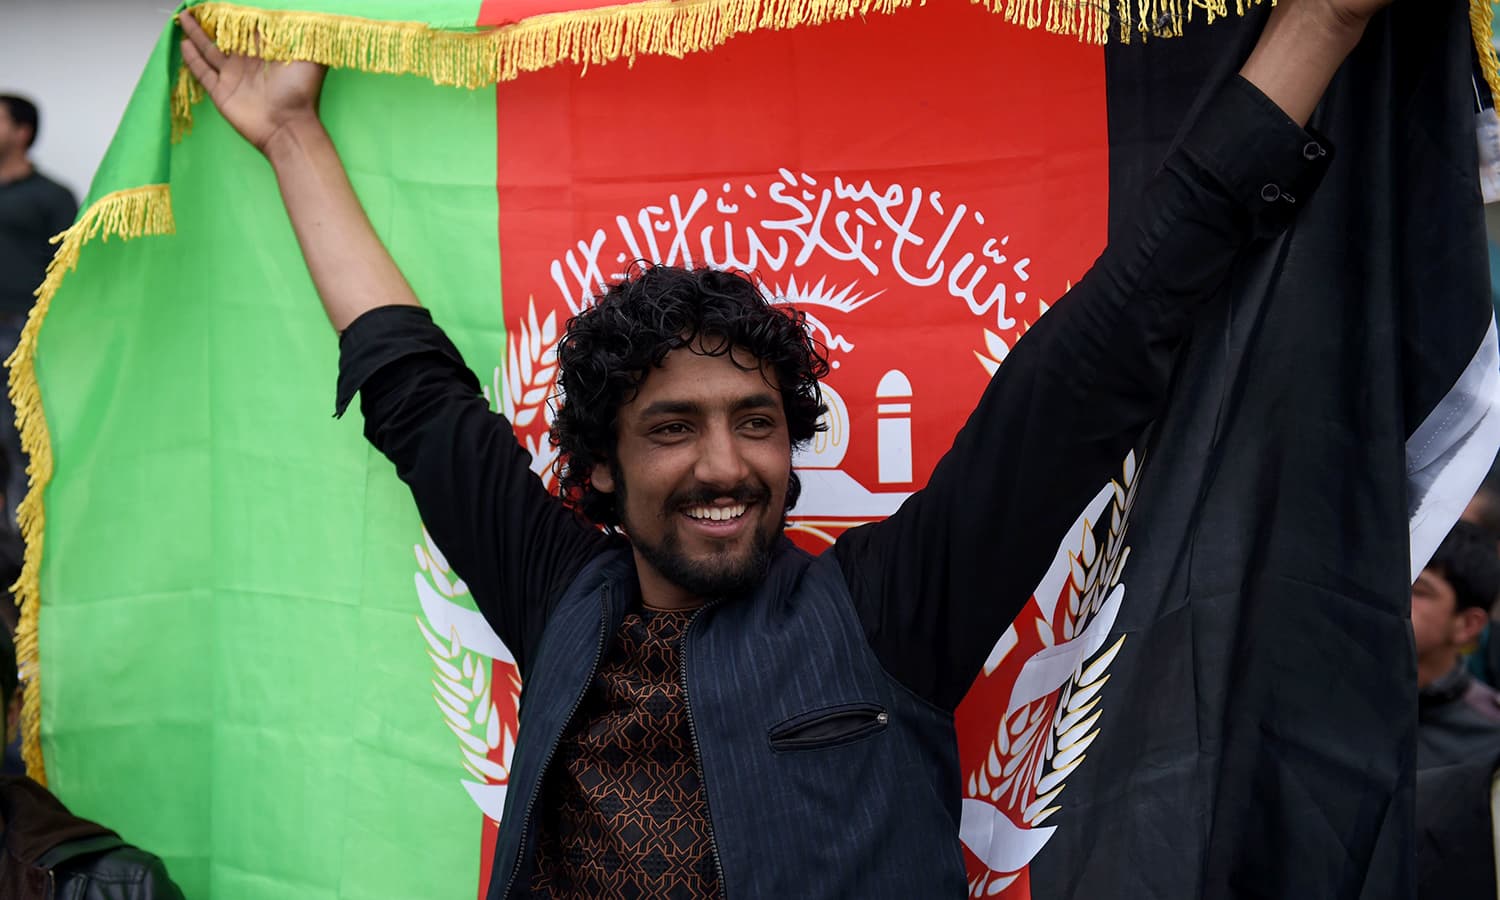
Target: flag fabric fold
1333,413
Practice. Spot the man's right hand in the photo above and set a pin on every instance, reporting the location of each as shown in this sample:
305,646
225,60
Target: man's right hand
260,99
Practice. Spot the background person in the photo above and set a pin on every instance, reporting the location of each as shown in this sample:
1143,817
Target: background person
1458,717
33,208
46,852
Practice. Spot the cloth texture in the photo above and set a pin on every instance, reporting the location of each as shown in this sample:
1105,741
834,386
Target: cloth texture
1455,830
629,817
1261,738
920,589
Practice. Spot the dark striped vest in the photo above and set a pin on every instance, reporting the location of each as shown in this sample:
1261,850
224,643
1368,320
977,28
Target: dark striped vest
825,777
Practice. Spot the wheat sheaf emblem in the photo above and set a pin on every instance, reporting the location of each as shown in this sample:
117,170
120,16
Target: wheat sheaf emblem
1055,704
475,684
523,386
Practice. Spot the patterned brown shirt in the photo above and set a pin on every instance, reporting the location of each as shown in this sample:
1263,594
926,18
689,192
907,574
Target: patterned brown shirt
624,813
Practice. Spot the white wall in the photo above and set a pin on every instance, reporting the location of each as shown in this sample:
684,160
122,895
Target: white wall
78,60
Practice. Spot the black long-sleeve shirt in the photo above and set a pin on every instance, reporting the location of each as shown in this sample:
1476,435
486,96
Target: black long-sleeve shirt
32,210
937,583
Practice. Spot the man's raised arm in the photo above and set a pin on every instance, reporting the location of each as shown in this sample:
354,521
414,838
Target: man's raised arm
275,107
513,543
937,583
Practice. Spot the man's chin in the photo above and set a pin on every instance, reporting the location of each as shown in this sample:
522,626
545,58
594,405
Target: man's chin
722,572
718,577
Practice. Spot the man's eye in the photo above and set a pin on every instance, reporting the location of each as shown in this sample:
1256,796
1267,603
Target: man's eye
671,429
759,424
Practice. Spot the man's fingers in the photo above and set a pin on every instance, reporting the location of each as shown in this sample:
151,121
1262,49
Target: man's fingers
205,46
206,74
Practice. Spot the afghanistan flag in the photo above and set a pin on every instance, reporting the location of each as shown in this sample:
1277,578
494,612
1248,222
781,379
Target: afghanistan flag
246,655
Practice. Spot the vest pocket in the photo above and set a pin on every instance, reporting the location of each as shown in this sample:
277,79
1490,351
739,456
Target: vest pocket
829,727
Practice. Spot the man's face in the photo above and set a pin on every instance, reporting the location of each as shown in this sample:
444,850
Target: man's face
1438,626
703,460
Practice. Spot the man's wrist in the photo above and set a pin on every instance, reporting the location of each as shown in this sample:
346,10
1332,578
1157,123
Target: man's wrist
293,140
1339,28
1303,45
1340,15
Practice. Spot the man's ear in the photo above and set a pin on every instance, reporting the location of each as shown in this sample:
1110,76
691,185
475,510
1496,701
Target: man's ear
1468,624
602,478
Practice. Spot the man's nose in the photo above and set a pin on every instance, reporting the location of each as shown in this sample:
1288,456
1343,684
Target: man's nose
720,462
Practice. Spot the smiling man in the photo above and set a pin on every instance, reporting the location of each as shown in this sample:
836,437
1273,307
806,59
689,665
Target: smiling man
701,698
707,446
694,462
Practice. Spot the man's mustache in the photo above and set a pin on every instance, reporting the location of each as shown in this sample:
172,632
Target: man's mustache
704,495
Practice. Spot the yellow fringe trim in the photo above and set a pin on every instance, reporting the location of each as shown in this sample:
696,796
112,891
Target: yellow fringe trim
1166,18
137,212
185,94
1482,24
474,59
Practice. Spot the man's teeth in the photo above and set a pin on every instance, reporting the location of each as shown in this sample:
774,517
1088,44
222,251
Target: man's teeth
716,513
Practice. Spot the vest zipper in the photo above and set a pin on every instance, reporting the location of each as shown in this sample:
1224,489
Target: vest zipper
541,782
687,702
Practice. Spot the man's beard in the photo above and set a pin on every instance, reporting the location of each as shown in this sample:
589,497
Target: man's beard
713,577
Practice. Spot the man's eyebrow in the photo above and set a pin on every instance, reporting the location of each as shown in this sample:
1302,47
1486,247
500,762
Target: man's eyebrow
693,408
672,408
756,401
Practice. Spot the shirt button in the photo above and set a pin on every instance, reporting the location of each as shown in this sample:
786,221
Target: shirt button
1313,150
1270,193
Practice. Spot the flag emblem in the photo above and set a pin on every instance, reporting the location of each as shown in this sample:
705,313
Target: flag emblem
889,276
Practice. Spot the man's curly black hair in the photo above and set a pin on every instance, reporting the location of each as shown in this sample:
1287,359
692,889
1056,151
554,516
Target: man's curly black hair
610,348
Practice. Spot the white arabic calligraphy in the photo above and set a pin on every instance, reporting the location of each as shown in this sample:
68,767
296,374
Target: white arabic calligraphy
877,229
